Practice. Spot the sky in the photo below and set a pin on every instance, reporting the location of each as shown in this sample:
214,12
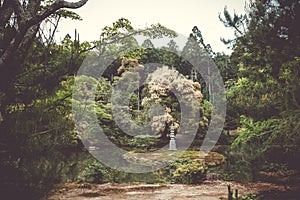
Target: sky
178,15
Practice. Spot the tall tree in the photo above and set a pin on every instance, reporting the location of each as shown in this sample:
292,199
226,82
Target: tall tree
267,55
266,51
148,44
19,24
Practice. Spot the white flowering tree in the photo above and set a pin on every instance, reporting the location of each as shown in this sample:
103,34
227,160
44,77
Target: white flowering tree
172,91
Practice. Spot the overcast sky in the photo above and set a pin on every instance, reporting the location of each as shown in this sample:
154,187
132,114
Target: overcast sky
179,15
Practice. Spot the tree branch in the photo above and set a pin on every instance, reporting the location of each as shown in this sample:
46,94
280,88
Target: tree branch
19,10
28,24
41,133
33,6
5,12
55,28
88,49
114,40
58,4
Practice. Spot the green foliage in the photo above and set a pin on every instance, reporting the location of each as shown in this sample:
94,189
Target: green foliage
204,119
254,136
183,170
115,39
147,44
38,145
274,167
268,79
227,68
94,173
250,196
141,107
37,132
144,142
264,138
266,93
63,13
196,33
190,173
43,125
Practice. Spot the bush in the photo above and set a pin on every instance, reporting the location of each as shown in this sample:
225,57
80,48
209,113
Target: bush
190,173
185,171
144,142
274,167
94,173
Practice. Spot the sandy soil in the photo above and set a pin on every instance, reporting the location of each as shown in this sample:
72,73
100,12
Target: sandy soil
208,190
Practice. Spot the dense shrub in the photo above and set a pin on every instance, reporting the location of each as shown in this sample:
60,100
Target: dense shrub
144,141
184,171
190,173
94,173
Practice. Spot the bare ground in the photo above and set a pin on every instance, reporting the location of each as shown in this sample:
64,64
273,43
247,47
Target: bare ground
208,190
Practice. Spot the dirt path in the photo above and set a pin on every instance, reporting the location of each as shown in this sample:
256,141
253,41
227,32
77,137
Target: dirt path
206,191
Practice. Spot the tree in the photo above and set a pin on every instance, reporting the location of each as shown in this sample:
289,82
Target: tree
267,55
176,95
266,92
196,33
148,44
119,40
170,55
199,53
36,128
19,24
